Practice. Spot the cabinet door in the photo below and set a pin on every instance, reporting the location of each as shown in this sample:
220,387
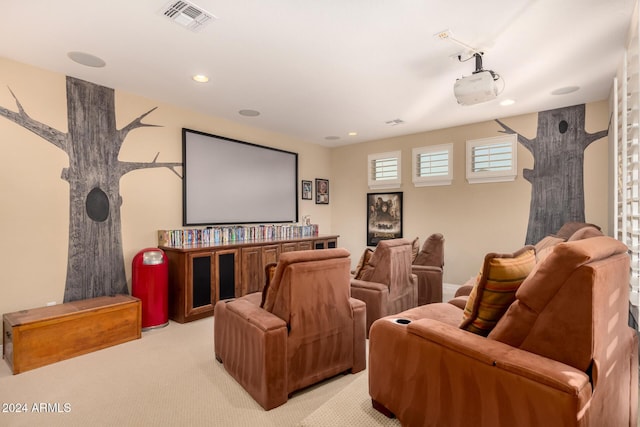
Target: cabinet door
226,274
307,245
304,245
270,254
289,247
252,270
199,287
319,244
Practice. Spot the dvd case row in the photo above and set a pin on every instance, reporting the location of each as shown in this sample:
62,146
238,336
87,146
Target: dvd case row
234,234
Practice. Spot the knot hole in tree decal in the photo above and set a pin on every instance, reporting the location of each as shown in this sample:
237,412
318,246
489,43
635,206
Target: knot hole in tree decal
97,205
563,126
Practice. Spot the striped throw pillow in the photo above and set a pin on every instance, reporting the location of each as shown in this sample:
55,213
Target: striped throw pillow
496,288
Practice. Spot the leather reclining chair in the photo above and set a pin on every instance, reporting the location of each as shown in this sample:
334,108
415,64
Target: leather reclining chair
386,284
428,267
562,354
302,329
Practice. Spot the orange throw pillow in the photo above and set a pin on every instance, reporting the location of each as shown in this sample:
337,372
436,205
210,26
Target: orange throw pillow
496,288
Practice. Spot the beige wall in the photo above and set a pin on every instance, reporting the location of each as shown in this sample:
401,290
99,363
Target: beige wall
474,218
34,212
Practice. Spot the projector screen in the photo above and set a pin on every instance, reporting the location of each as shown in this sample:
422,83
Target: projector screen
227,181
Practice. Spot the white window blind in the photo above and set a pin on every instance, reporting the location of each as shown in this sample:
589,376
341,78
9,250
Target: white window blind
625,104
433,165
497,157
492,159
384,170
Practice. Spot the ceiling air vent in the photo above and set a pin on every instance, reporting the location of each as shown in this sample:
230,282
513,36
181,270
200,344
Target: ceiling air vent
187,14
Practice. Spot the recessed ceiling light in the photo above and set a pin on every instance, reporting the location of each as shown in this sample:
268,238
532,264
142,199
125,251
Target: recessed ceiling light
200,78
86,59
507,102
353,133
331,138
249,113
565,90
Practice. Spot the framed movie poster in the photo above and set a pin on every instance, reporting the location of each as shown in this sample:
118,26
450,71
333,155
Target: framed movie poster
384,217
307,190
322,191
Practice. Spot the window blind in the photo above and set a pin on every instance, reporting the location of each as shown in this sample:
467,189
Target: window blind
433,164
384,169
492,158
626,109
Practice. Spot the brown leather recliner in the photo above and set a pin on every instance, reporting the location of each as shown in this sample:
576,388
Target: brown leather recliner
428,267
561,355
308,329
569,232
386,284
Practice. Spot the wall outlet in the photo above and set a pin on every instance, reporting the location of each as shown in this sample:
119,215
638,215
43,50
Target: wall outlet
49,304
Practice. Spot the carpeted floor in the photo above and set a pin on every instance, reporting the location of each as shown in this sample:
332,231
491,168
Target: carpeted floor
350,407
169,378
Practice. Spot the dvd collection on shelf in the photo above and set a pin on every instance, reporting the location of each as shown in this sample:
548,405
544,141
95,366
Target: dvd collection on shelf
234,234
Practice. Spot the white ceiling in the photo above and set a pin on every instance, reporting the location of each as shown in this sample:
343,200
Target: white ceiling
318,68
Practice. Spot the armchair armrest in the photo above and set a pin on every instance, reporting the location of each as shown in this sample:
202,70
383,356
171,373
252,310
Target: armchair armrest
359,310
425,269
450,376
463,291
429,283
255,315
252,343
374,295
365,285
529,365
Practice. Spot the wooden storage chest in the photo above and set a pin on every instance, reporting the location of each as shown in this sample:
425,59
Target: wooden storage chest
44,335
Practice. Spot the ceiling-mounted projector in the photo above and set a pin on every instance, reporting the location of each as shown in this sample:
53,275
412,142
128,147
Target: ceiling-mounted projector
478,87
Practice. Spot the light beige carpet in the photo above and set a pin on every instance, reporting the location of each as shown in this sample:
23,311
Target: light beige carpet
350,407
169,378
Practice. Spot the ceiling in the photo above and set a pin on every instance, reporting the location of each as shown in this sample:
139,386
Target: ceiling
317,69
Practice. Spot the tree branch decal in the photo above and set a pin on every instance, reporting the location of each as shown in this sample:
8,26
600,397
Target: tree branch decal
557,184
95,266
126,167
137,123
48,133
528,143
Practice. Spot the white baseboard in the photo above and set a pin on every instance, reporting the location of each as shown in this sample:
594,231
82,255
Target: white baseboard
450,287
448,291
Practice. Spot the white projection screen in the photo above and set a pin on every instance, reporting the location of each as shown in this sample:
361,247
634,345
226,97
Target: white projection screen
234,182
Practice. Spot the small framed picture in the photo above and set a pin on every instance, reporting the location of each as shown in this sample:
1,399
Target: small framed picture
307,190
322,191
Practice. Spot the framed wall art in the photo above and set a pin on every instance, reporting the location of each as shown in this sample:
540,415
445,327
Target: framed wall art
322,191
384,217
307,190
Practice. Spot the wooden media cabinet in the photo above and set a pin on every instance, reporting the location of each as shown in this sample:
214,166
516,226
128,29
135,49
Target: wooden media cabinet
201,275
41,336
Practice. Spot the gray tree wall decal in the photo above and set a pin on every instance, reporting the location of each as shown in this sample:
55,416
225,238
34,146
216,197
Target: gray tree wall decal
557,185
95,265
